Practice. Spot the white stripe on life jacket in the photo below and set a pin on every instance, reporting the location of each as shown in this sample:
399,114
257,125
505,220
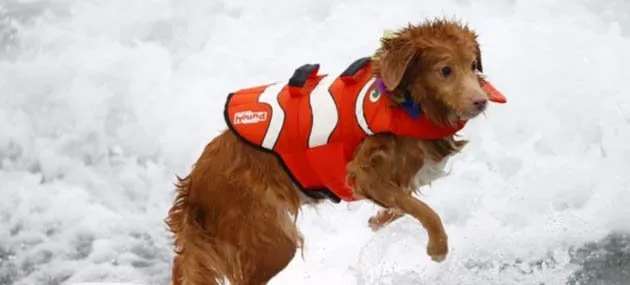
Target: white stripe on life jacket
270,97
359,107
325,114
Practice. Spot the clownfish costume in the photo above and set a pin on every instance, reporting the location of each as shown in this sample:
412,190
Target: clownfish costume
314,123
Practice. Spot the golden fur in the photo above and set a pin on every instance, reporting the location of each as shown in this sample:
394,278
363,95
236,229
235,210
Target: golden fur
233,217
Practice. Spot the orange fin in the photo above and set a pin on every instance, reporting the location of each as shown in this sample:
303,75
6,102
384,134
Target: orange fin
494,95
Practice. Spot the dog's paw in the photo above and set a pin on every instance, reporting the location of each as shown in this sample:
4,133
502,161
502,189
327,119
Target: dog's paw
383,218
438,249
375,224
438,257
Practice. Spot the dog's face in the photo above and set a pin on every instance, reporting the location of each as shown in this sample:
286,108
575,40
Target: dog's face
437,62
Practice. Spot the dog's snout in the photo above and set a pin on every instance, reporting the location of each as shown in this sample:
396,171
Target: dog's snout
480,103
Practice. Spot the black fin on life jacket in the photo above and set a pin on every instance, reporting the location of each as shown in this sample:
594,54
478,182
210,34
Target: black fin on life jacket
302,74
355,67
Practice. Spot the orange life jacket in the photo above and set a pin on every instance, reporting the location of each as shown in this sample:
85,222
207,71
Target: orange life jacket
314,123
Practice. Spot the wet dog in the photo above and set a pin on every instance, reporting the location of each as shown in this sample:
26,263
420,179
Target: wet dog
234,215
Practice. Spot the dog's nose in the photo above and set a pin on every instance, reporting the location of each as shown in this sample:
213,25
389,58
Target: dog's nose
480,104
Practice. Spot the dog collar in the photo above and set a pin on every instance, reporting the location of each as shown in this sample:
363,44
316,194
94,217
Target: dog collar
405,101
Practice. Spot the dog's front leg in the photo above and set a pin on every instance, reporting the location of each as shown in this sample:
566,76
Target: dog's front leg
383,218
430,220
403,202
382,171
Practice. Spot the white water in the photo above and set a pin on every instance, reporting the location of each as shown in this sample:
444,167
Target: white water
103,102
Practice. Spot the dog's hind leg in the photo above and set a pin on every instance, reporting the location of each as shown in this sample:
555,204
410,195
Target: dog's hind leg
269,258
176,274
231,217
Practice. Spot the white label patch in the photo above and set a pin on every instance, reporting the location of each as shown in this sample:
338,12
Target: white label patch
249,117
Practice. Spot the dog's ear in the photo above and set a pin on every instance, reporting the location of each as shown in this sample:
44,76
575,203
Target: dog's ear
394,62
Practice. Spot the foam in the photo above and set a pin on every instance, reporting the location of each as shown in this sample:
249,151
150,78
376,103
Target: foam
104,102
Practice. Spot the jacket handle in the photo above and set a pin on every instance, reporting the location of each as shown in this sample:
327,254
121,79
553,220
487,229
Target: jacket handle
300,76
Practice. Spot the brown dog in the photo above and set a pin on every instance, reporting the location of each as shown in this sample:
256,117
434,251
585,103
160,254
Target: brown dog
234,214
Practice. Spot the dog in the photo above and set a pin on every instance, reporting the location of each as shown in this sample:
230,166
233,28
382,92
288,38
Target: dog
380,130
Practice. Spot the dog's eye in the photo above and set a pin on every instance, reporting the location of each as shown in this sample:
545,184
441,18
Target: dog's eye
473,66
446,71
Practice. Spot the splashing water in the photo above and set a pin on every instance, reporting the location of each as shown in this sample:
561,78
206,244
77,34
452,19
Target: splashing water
102,103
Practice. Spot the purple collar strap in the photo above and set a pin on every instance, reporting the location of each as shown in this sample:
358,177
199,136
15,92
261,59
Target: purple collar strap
412,108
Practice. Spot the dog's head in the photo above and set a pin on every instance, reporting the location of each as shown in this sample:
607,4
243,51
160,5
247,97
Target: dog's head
437,62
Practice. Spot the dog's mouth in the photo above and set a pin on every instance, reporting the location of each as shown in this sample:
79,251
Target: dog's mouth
469,114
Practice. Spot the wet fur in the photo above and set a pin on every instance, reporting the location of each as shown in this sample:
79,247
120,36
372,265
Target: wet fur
234,215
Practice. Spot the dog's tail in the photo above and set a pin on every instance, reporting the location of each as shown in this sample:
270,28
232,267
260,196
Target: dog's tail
198,260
